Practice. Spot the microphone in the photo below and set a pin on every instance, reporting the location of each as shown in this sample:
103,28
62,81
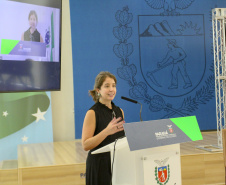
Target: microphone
133,101
128,99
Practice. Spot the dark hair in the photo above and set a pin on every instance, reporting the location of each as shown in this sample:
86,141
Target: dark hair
100,78
32,12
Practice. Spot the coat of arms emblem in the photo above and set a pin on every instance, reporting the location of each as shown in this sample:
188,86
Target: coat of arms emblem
162,171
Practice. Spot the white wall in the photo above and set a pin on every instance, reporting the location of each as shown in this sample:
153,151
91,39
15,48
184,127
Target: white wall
63,101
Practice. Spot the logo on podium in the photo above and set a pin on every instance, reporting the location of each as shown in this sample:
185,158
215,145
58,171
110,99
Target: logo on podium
162,172
170,128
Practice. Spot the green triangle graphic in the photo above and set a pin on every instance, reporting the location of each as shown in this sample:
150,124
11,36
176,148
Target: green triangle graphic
7,45
189,126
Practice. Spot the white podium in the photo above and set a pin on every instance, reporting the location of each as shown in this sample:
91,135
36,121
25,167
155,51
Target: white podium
143,167
150,152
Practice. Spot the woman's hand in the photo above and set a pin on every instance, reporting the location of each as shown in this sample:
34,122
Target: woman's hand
116,125
89,141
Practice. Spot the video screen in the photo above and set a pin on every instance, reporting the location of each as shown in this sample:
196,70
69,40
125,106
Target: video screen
30,39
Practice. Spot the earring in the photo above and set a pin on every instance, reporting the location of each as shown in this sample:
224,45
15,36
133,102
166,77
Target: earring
98,94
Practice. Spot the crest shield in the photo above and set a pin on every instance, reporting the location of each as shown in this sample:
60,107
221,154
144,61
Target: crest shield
162,173
168,64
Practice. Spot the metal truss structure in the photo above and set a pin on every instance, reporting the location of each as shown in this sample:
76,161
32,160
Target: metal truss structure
219,21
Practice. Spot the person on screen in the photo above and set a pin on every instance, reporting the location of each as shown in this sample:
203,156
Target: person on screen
103,124
32,33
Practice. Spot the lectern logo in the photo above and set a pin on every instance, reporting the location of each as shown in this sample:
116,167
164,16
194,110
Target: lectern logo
170,128
162,171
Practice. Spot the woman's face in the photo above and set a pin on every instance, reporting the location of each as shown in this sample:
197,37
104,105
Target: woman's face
107,90
32,21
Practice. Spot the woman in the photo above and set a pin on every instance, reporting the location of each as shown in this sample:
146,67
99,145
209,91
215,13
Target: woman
32,33
103,124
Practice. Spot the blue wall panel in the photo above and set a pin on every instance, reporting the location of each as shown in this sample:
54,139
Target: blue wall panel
160,51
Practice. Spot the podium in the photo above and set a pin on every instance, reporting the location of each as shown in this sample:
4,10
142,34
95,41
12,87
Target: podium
150,152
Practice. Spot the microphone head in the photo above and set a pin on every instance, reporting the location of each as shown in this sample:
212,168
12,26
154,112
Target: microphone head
128,99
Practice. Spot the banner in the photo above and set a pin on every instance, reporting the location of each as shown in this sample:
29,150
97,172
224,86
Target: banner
24,118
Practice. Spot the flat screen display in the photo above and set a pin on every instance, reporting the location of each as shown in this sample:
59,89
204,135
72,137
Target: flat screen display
30,45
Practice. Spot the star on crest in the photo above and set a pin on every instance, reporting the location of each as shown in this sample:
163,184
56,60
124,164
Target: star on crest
39,115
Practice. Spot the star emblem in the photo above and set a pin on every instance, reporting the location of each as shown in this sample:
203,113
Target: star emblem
39,115
5,113
24,139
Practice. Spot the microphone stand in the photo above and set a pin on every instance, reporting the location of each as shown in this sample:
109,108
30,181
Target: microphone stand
140,110
133,101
